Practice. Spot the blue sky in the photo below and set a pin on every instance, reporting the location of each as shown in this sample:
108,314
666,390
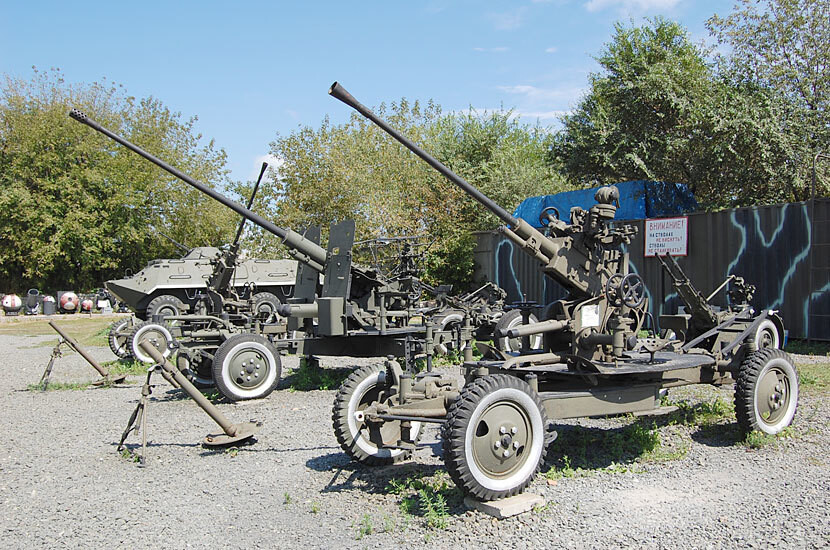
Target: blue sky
250,70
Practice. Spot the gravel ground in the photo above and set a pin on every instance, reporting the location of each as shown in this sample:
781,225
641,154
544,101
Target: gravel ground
63,484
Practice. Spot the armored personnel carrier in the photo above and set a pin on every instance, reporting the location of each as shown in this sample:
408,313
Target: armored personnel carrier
170,286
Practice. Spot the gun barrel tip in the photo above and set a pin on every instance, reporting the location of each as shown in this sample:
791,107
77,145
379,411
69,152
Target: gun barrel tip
77,114
333,86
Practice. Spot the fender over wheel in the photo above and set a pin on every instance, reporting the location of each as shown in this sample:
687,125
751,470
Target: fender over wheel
494,437
246,366
766,391
766,336
158,334
362,388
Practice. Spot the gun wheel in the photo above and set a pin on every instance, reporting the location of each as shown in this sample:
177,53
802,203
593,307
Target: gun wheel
513,319
357,438
158,334
119,338
246,366
766,336
494,437
766,391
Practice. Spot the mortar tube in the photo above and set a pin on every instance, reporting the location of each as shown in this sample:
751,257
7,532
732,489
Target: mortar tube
77,347
190,389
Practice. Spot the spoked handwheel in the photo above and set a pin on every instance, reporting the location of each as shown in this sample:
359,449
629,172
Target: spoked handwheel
360,440
494,437
766,391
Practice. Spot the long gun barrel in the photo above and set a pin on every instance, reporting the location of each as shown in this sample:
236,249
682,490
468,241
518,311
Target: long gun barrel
519,231
300,248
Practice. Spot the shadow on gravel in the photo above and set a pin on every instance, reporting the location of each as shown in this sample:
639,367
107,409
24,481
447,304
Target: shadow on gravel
348,475
654,438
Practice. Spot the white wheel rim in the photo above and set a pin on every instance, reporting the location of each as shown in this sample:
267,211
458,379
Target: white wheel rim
364,444
139,353
228,378
537,441
792,386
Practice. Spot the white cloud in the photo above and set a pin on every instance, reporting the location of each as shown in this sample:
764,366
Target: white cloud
273,164
552,49
629,6
508,21
544,94
500,49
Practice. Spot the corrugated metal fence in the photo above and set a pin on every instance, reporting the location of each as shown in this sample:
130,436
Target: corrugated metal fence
780,249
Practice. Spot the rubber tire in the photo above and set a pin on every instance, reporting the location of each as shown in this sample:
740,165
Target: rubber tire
269,302
166,305
120,349
135,338
752,371
201,375
766,336
358,391
225,354
512,319
463,423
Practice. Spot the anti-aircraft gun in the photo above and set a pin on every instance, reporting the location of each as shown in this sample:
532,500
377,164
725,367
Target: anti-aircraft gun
497,427
355,311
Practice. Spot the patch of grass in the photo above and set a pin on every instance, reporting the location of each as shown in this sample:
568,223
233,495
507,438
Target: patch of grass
127,454
60,386
232,451
814,376
286,498
759,440
87,330
802,347
704,413
126,366
311,377
364,527
315,507
428,498
584,452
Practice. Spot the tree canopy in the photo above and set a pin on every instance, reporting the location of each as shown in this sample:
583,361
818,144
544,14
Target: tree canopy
77,208
661,109
355,170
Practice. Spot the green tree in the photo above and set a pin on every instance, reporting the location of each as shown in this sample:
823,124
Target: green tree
76,207
783,46
355,170
659,110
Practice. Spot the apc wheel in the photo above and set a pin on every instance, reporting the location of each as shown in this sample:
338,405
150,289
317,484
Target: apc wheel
494,437
199,371
513,319
165,305
766,336
362,388
118,338
246,366
265,306
157,334
766,391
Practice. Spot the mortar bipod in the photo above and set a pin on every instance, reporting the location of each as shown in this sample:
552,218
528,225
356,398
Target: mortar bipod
233,433
72,343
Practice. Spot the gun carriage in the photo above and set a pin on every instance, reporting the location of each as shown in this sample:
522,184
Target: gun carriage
496,427
339,308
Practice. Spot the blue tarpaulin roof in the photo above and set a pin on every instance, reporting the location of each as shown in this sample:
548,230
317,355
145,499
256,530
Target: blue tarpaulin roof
638,200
